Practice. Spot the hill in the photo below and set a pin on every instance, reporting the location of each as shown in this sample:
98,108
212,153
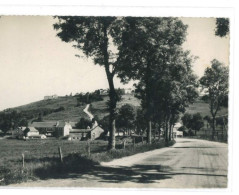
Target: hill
65,108
203,109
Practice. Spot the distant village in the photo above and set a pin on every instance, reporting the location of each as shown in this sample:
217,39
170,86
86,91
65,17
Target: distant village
65,129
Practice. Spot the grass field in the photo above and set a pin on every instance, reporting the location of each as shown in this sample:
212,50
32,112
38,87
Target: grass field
203,109
38,154
41,158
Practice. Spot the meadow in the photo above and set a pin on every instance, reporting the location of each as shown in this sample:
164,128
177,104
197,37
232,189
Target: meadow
42,160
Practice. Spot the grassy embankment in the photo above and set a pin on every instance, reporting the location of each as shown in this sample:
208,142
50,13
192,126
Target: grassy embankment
41,158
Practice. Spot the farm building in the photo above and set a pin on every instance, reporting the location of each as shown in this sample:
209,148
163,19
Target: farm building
59,128
83,134
32,132
104,91
50,97
177,133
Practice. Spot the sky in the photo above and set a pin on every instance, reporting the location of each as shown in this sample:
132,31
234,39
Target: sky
34,62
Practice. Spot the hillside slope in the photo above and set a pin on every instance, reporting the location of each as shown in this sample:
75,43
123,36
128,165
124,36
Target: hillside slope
203,109
66,109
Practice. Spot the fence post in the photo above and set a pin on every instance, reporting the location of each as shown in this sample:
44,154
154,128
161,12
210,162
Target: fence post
134,141
142,139
60,154
23,163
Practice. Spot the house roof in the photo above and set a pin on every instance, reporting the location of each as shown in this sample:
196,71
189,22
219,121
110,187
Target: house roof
43,124
32,129
80,130
51,124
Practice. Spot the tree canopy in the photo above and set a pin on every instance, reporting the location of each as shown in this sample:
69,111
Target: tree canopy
222,27
97,38
215,84
151,52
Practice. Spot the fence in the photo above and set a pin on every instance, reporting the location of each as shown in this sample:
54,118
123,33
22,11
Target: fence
219,135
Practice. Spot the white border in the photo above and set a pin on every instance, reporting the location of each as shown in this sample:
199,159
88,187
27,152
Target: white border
178,8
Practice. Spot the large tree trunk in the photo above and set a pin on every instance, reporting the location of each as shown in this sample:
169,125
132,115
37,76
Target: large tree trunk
149,132
166,132
148,103
113,102
112,92
213,127
170,132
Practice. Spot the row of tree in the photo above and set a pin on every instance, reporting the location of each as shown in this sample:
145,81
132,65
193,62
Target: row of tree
11,120
148,50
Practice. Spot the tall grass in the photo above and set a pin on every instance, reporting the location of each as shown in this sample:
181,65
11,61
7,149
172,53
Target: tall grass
76,162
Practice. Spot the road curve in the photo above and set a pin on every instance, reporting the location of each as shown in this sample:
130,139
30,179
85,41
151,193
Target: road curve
87,112
190,163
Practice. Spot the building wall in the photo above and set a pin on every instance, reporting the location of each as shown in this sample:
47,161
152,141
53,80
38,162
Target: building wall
96,132
67,129
50,97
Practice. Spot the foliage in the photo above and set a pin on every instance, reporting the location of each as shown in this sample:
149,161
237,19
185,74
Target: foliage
182,128
126,118
193,122
11,120
140,121
151,52
222,27
61,108
197,122
88,98
215,83
83,124
95,37
105,123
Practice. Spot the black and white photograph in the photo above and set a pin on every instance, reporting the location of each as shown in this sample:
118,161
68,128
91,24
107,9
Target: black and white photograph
114,101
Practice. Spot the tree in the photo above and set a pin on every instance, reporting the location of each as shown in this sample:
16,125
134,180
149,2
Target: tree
140,121
11,119
95,36
187,119
193,122
209,121
104,123
84,123
222,27
126,117
145,53
215,83
197,122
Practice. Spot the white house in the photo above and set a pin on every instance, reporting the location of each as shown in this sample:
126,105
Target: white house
32,132
59,128
50,97
104,91
67,129
177,133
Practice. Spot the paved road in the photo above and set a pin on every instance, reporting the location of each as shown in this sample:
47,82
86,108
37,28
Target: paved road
188,164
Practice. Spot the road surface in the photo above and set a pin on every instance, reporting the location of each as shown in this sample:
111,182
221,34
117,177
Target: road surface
190,163
87,112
